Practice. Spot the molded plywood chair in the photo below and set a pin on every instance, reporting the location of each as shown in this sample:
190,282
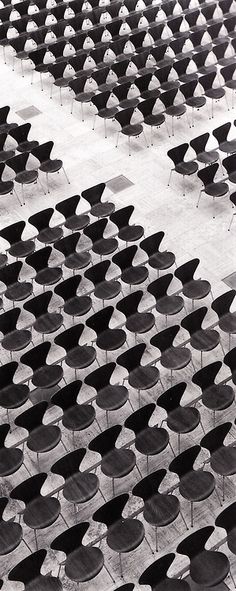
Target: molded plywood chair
12,395
100,245
77,356
23,176
136,322
16,290
128,128
73,259
45,322
201,339
199,146
210,186
76,417
156,576
110,397
98,207
20,135
182,167
149,441
159,260
126,231
47,164
41,438
165,304
180,419
222,457
11,533
194,289
44,375
214,396
140,377
227,520
13,339
11,458
44,274
131,274
227,319
13,234
108,339
67,208
41,221
103,289
74,305
172,357
28,572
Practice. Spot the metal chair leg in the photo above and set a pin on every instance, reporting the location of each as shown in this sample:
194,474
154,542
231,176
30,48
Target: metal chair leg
199,197
67,178
168,184
231,221
17,196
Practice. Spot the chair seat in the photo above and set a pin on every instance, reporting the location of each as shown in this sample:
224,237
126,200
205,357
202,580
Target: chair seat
10,460
6,187
78,417
186,168
154,120
84,97
231,540
62,82
173,585
176,110
227,323
26,177
183,420
107,290
130,233
129,103
208,157
10,537
47,376
49,235
151,441
216,189
41,512
22,248
77,222
78,305
77,260
196,102
140,322
218,397
51,165
14,395
188,78
108,113
196,289
169,305
215,93
143,378
16,340
118,463
132,129
231,84
102,210
48,276
169,84
175,358
125,535
205,340
134,275
19,291
223,461
44,438
80,357
105,246
84,564
81,487
161,509
232,177
6,155
209,568
45,583
161,260
197,485
27,146
48,322
154,93
228,146
112,397
111,339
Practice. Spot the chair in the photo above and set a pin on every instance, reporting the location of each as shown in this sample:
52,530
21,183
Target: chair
150,118
44,274
136,322
127,128
159,509
195,102
57,71
41,221
227,319
100,102
142,83
121,92
12,395
11,459
228,74
140,377
214,396
11,533
222,457
229,360
13,234
4,153
214,93
15,290
207,567
13,339
5,127
126,231
199,146
67,208
131,274
201,339
77,356
221,135
159,260
182,167
47,164
82,563
37,58
20,135
100,245
42,438
6,187
44,375
194,485
156,576
194,289
116,462
28,572
76,417
226,520
210,186
109,397
82,96
167,99
108,339
149,441
22,176
98,208
40,511
172,357
45,322
165,304
73,260
104,289
123,534
74,305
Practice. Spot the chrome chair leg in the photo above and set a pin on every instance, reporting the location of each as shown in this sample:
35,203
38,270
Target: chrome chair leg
67,178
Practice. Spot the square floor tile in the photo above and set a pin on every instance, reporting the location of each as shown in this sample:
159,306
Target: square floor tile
119,183
28,112
230,280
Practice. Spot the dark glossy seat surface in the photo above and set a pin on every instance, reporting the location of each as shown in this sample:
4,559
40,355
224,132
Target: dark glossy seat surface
84,564
118,463
78,417
10,460
41,512
10,537
80,487
44,438
16,340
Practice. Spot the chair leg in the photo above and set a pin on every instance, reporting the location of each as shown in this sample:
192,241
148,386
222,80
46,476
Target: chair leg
72,104
231,221
27,545
17,196
22,192
94,122
60,96
149,546
41,81
67,178
22,68
63,519
38,181
185,522
36,539
105,128
168,133
191,512
168,184
121,570
129,144
117,138
199,197
113,580
82,111
51,91
145,138
47,182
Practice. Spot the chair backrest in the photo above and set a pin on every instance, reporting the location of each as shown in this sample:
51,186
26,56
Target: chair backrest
221,132
20,133
121,217
111,511
99,322
27,570
193,321
41,219
183,463
71,538
186,271
139,419
7,373
229,163
164,339
207,80
157,571
124,117
228,71
36,357
214,439
43,152
205,377
66,397
32,418
68,244
18,163
199,143
105,441
207,174
4,430
68,206
152,243
39,259
3,504
168,98
221,305
227,518
149,486
67,289
13,233
94,194
171,398
39,304
131,359
129,305
8,320
100,100
177,154
230,360
195,543
100,378
95,230
69,338
159,287
3,137
97,273
4,112
69,464
124,257
29,489
188,89
10,273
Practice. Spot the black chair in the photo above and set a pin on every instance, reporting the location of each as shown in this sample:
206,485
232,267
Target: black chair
14,339
45,322
44,274
11,533
13,234
123,534
7,187
100,102
73,259
98,208
194,289
42,438
149,118
227,319
74,305
229,164
15,290
40,511
221,135
226,520
214,396
128,128
214,93
136,322
5,154
47,164
104,289
149,441
82,96
121,92
159,509
159,260
228,74
202,155
201,339
165,304
194,485
23,176
12,395
67,208
76,417
37,58
109,397
156,576
191,100
28,572
172,357
41,221
108,339
210,186
77,356
207,567
44,375
126,231
180,419
167,99
222,457
166,82
182,167
116,462
140,377
131,274
11,458
20,135
57,71
100,245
